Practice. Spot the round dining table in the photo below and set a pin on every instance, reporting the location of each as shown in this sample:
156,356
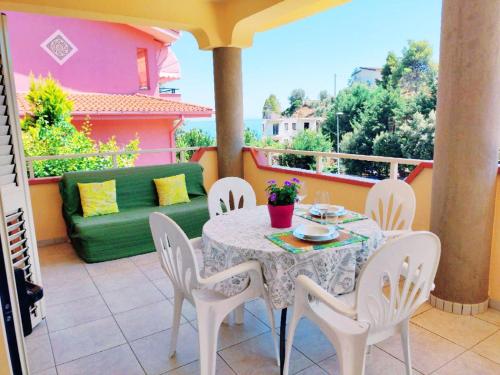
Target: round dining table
241,235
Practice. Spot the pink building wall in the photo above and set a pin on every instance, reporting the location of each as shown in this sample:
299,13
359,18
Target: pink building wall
153,133
106,60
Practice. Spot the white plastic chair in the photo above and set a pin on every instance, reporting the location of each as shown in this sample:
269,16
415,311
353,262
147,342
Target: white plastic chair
230,194
382,305
179,262
219,196
392,204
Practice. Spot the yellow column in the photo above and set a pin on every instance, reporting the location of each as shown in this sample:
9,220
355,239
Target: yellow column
228,110
466,151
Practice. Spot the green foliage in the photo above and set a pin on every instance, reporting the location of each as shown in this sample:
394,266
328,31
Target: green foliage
351,102
296,100
323,95
47,130
282,195
271,106
305,141
193,138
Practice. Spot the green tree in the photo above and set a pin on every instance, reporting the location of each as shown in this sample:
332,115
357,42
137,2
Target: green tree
307,140
390,66
323,95
352,103
296,100
47,130
250,137
192,138
271,106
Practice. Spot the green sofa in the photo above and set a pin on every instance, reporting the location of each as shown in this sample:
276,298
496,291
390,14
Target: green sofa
113,236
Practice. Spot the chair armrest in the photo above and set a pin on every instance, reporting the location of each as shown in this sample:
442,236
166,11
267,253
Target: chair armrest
251,267
311,288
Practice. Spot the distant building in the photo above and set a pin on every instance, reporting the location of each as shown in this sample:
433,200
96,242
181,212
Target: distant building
284,129
368,76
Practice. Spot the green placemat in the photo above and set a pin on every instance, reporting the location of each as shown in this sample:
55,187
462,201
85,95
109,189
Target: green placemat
349,217
290,243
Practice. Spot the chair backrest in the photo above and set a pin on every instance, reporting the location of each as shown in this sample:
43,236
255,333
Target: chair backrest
397,279
176,253
391,203
228,194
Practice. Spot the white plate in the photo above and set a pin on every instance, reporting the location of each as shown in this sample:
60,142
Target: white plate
314,232
334,211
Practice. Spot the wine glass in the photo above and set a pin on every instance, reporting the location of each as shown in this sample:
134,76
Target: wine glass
322,204
301,194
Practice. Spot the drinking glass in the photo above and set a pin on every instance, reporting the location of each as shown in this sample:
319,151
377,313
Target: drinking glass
322,204
301,194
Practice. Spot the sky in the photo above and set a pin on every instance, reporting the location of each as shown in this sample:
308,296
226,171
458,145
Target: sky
308,53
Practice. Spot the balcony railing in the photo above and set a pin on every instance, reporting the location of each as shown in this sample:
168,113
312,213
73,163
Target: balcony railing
180,152
322,157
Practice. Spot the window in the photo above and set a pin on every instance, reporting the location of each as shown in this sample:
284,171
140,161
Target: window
286,126
306,125
276,129
142,68
294,126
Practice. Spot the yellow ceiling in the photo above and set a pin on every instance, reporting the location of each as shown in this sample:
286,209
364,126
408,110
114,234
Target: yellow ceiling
214,23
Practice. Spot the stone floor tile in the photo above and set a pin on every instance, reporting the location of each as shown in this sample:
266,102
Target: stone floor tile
89,338
152,351
74,313
423,308
132,297
116,361
313,370
463,330
469,363
489,348
153,271
40,329
49,371
378,362
221,368
68,292
39,353
122,265
428,350
310,341
143,259
119,279
165,286
256,356
491,316
144,321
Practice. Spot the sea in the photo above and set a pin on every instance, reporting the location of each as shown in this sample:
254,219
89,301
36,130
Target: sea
208,126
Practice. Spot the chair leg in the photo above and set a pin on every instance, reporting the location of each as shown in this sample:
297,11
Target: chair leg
208,329
352,355
239,314
405,342
178,300
292,326
272,323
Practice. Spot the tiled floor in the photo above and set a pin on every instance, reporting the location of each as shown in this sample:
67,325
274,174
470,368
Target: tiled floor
114,318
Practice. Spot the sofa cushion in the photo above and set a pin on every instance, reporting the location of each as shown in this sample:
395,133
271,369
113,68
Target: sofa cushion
127,233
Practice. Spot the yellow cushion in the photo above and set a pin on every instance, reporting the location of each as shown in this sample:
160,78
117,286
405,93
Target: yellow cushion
172,190
98,198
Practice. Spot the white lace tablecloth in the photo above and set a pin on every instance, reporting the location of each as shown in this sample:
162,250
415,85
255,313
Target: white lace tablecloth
239,236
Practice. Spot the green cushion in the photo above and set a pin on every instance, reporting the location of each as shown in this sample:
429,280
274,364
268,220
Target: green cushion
127,233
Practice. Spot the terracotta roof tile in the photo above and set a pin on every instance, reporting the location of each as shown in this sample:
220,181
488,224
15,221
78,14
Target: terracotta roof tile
133,104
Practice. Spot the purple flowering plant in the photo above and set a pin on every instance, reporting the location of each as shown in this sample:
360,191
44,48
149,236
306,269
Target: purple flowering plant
282,195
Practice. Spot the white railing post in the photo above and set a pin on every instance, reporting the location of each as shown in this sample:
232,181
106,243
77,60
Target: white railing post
31,169
182,156
319,164
114,160
269,158
393,171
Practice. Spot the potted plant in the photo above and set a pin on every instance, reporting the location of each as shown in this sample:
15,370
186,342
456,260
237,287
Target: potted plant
280,202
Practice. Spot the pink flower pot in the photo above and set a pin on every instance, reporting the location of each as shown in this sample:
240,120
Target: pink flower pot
281,216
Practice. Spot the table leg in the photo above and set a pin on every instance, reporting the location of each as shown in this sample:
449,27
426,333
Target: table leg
282,339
